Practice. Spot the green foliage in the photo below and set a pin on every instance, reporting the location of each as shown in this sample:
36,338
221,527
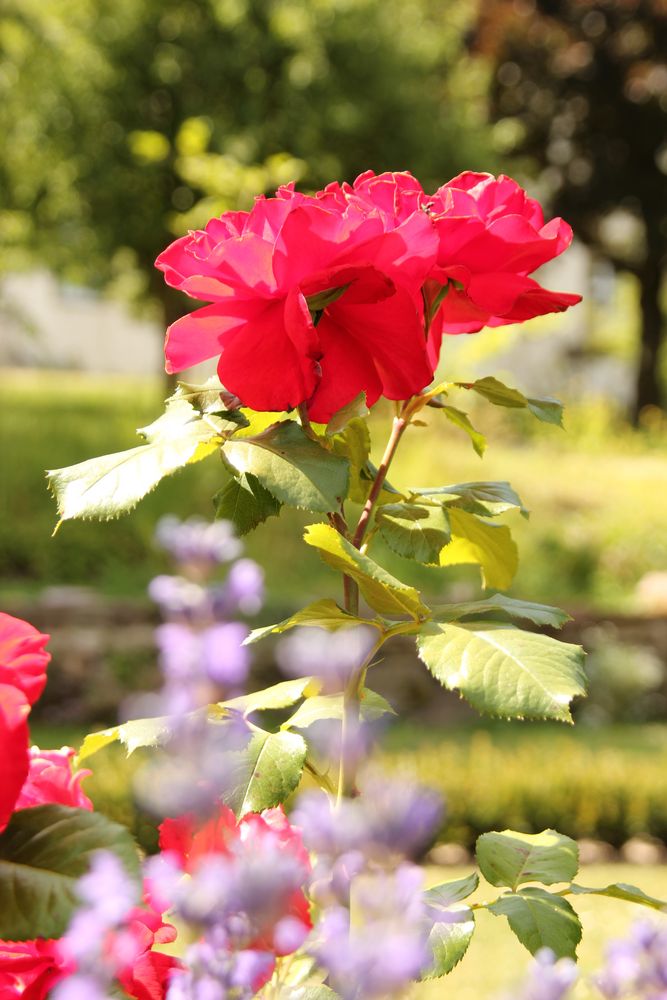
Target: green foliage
445,895
461,420
246,503
504,671
43,852
628,893
546,409
321,614
330,706
384,593
266,772
539,614
489,545
113,484
280,695
540,920
413,530
136,733
487,499
510,858
292,467
139,117
448,941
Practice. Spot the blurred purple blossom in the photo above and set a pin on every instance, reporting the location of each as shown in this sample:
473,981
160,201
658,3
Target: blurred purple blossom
80,987
637,964
385,946
548,978
197,542
331,656
390,817
108,894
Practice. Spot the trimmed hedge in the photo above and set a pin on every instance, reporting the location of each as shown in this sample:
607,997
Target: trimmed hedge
609,783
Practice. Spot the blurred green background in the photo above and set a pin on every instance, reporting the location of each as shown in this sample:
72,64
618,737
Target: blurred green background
126,123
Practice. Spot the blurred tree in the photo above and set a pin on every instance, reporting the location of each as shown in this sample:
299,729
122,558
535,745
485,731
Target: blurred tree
118,115
580,88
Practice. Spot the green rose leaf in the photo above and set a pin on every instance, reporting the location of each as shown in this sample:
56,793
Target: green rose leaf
292,467
619,890
330,706
510,858
266,772
43,852
321,614
134,734
280,695
539,614
354,444
488,545
487,499
414,531
540,920
448,942
112,484
547,409
354,410
246,503
461,420
504,671
208,398
384,592
444,895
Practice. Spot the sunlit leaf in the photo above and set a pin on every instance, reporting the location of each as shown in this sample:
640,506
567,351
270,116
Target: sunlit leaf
112,484
510,858
541,920
372,706
280,695
384,592
490,546
414,531
504,671
539,614
266,772
487,499
292,467
321,614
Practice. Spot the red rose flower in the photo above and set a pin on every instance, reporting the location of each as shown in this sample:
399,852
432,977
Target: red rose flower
30,969
223,834
492,237
23,659
14,737
147,976
312,302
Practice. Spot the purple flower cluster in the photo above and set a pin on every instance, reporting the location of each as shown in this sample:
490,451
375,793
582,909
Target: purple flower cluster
378,945
108,896
331,656
373,933
636,965
203,660
548,978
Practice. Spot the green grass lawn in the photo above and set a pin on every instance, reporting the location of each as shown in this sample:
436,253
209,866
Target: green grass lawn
597,495
495,960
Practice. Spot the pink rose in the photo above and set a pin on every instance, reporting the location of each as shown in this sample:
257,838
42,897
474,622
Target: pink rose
51,779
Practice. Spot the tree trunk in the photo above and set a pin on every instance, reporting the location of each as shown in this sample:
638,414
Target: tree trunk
648,388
